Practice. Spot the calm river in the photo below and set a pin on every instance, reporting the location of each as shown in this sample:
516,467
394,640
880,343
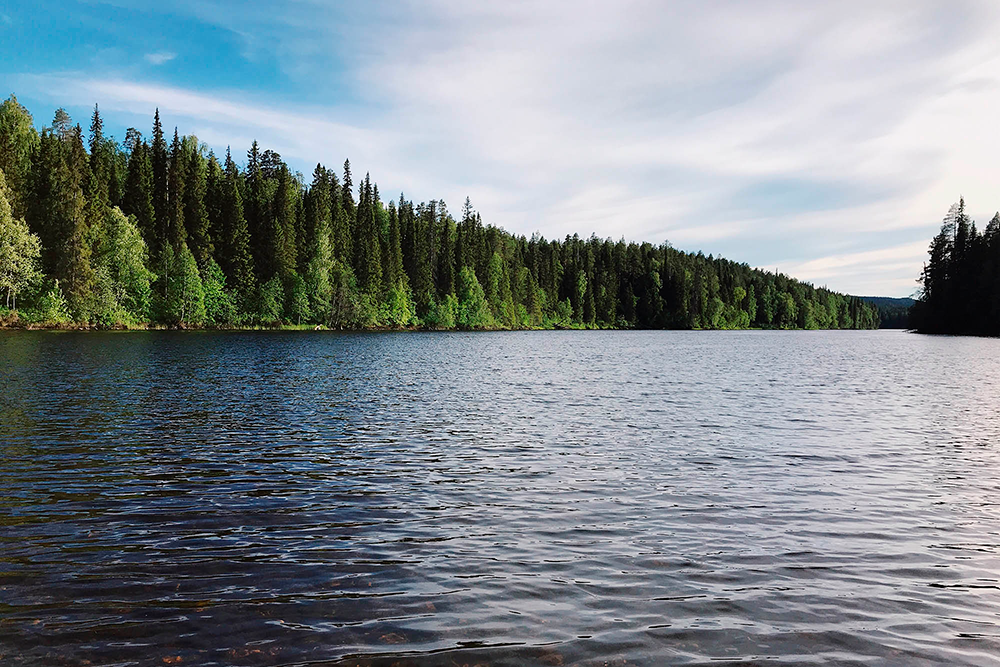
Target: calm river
551,498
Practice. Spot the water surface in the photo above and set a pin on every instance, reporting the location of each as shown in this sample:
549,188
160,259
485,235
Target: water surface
551,498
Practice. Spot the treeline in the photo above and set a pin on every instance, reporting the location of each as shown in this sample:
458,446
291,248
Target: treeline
961,279
162,231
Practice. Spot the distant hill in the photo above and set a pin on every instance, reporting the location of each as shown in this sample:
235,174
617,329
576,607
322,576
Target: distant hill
893,313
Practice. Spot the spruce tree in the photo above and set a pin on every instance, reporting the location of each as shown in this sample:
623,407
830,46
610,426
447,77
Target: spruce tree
59,214
344,219
367,262
138,197
176,229
214,189
394,261
234,250
160,164
196,222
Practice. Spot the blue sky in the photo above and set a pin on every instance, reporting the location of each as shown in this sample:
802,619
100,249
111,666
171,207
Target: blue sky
826,140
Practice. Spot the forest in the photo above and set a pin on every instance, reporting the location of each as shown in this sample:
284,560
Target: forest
162,232
961,278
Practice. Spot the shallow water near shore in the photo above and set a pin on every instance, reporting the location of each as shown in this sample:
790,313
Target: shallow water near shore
554,498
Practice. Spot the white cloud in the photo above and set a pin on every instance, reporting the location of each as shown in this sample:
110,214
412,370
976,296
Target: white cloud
160,57
787,134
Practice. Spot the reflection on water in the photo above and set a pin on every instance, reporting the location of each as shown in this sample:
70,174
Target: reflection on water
549,498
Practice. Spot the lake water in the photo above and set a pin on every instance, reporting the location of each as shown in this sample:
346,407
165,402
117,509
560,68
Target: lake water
552,498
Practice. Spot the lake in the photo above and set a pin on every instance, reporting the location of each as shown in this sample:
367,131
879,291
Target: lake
552,498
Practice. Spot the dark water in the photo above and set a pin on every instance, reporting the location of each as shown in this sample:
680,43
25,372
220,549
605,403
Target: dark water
547,498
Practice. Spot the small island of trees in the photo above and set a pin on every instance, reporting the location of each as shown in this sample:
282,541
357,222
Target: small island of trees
162,232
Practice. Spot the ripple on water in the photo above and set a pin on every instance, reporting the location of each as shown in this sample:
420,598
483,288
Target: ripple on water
553,498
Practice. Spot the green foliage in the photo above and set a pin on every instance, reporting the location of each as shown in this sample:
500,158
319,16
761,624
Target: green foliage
48,306
259,245
185,302
18,140
398,309
19,252
272,297
443,314
473,310
298,299
220,305
123,288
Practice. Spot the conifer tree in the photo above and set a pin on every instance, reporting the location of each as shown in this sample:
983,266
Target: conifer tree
234,250
195,184
345,218
214,189
160,164
394,261
98,160
367,262
176,229
138,196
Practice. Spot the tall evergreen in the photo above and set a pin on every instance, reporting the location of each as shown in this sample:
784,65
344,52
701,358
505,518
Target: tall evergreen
234,253
343,218
176,232
394,260
57,213
195,184
160,163
367,259
138,197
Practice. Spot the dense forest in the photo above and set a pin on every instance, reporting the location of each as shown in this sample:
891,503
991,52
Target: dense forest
961,279
893,313
164,232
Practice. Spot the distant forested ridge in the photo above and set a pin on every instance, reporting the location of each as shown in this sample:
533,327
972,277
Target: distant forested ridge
893,313
961,279
161,231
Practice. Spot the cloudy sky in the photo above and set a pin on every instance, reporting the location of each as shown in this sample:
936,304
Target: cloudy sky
826,140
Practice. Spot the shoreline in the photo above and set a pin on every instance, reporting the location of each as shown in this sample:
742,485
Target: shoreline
315,328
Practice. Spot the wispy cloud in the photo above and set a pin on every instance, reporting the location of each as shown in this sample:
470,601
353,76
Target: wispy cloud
160,57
